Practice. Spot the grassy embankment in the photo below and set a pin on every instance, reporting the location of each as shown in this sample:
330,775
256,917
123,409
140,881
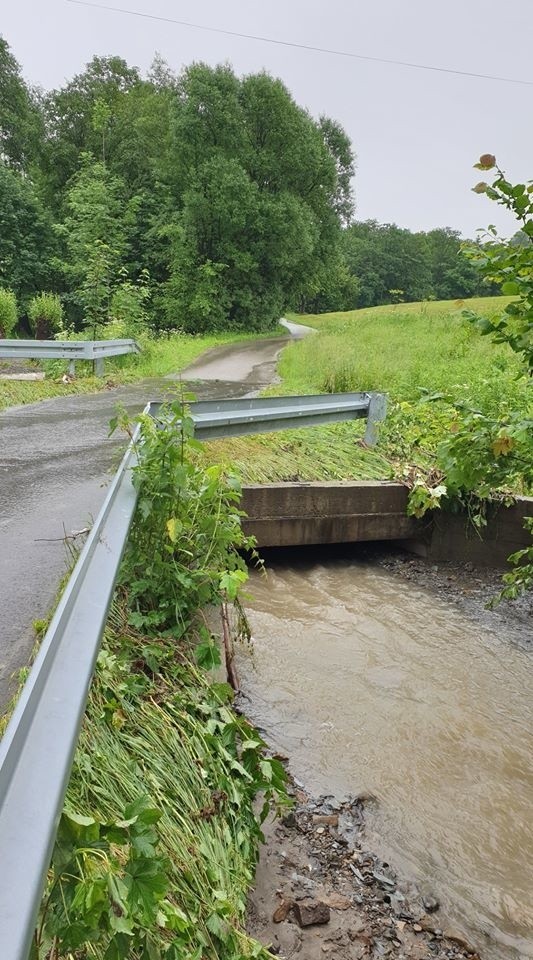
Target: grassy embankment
158,733
409,351
158,842
158,358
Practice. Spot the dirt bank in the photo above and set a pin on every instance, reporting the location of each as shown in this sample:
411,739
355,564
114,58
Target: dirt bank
315,867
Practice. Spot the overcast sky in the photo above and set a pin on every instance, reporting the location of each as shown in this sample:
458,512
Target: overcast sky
416,133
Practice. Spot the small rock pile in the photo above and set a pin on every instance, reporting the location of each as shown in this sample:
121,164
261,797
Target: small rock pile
318,893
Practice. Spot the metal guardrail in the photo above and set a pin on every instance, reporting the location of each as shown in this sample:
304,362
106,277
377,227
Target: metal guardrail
71,350
38,746
232,418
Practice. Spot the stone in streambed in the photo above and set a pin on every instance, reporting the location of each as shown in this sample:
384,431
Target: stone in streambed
282,911
326,820
311,912
431,904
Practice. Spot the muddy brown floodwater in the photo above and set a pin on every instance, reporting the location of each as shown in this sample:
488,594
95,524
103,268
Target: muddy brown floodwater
373,684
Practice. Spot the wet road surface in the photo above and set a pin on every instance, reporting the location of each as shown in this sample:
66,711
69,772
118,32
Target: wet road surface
55,462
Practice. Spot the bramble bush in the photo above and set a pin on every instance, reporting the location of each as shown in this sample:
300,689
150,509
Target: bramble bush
488,451
183,552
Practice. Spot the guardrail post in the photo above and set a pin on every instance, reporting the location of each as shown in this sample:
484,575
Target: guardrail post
99,366
377,411
72,368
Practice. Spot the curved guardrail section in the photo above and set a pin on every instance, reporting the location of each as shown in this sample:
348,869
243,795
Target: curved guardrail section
38,746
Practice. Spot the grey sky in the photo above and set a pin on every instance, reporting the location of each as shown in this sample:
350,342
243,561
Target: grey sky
416,133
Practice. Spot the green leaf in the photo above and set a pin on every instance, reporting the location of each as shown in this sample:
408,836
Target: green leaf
207,655
266,769
83,829
217,926
142,809
118,948
122,924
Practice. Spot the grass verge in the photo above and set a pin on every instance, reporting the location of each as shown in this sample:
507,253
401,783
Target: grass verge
157,728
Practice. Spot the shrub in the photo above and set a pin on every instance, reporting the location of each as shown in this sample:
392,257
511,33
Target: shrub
45,314
8,312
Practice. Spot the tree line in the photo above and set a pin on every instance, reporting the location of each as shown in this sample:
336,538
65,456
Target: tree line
383,263
198,200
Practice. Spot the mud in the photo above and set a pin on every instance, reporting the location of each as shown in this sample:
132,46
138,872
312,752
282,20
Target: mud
316,856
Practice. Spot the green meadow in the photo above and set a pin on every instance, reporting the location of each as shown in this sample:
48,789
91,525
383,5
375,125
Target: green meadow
425,356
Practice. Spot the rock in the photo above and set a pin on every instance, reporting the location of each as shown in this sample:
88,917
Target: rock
383,880
326,820
431,904
311,912
417,927
289,820
282,911
397,902
356,930
337,901
457,938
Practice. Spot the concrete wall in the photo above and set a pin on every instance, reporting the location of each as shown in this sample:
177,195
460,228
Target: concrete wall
294,514
453,537
300,514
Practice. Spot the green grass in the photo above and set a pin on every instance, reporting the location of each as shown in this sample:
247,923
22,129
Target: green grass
163,730
158,358
408,351
402,350
317,453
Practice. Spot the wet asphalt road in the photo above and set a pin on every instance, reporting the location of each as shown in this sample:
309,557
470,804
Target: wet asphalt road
55,462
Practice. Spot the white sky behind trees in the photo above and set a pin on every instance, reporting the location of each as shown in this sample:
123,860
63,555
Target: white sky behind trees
416,133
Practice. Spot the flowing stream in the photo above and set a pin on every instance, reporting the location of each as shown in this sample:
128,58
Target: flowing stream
372,684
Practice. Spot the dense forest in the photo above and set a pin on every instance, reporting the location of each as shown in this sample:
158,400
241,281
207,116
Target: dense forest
194,201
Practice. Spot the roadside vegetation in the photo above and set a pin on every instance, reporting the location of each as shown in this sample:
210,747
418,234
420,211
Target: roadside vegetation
160,356
426,356
159,838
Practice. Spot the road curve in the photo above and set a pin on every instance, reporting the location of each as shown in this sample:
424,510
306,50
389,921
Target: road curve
55,462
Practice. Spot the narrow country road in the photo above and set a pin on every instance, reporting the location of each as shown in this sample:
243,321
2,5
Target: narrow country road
55,462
